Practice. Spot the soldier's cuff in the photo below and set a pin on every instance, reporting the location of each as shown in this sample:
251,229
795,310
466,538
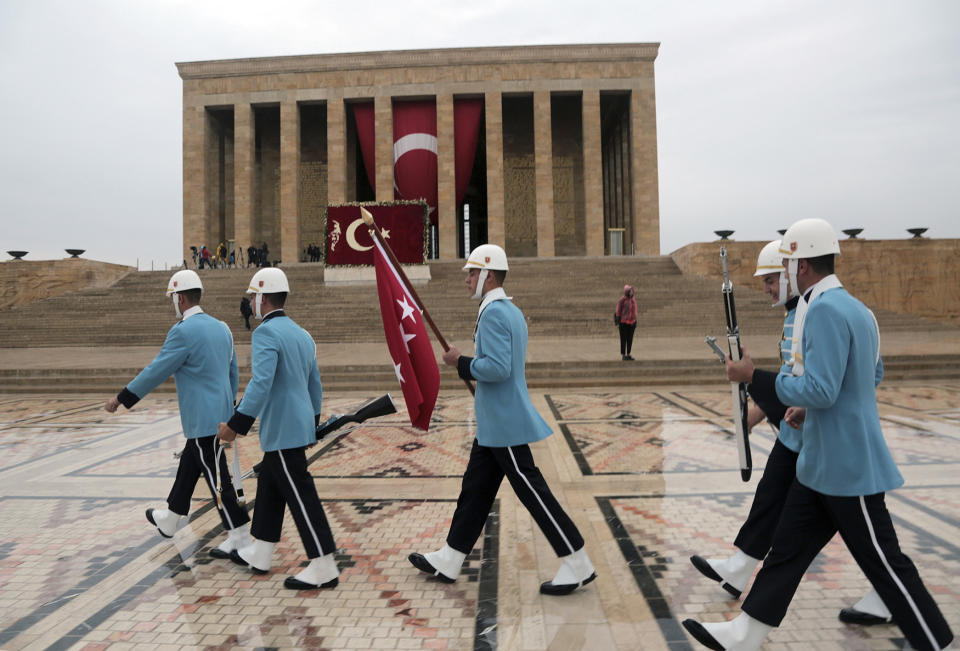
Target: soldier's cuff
241,423
128,398
763,386
463,367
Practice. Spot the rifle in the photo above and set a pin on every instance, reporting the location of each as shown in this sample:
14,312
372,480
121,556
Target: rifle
373,408
739,390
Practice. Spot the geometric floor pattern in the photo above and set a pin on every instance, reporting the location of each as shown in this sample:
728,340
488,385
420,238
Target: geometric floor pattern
649,477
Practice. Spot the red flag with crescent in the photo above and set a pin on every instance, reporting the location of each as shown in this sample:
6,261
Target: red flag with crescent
410,350
415,152
349,241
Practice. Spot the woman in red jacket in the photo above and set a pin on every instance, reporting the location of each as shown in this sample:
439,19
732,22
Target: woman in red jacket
627,320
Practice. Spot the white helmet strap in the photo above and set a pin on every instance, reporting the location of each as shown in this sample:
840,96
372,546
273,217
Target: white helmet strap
784,289
792,269
176,304
481,281
257,303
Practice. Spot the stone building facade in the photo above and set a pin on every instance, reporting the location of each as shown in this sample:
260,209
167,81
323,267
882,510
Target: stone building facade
566,161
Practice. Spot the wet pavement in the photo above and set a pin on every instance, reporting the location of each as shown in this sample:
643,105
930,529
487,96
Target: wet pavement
648,475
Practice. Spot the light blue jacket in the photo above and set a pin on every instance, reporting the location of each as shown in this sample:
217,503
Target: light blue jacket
285,391
843,451
505,415
789,436
199,353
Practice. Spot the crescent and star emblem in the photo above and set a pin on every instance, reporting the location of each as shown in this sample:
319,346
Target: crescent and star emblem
352,235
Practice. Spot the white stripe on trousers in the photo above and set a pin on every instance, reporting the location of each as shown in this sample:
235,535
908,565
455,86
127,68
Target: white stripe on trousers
213,483
896,579
542,505
303,509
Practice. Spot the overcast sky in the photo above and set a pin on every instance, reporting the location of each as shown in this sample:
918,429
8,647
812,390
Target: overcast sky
767,112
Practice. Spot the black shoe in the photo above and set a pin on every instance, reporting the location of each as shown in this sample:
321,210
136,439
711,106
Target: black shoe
705,569
150,520
629,357
854,616
420,562
236,558
219,554
701,635
296,584
623,358
556,590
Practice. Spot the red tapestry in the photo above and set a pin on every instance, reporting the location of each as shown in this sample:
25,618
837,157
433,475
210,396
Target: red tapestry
349,242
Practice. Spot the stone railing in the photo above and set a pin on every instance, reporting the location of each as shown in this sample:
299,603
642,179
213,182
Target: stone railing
911,276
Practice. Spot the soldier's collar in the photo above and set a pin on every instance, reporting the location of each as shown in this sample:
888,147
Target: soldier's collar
275,313
190,311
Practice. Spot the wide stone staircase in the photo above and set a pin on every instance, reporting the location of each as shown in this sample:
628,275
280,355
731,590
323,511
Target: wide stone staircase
568,298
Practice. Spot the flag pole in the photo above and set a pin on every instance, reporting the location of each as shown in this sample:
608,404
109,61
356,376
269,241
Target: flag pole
375,232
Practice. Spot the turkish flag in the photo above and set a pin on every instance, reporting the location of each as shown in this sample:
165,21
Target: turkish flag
415,152
406,334
349,241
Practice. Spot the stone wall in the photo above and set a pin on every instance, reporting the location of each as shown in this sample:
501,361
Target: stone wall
911,276
23,282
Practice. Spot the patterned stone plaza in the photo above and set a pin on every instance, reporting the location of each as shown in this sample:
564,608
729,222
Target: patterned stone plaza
649,476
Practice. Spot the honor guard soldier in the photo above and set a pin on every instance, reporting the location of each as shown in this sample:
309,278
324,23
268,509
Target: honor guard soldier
754,538
285,394
199,353
506,424
844,467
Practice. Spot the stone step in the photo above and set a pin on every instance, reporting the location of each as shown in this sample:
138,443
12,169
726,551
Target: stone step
380,377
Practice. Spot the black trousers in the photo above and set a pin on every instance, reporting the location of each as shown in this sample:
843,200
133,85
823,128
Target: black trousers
809,521
481,481
626,337
285,481
196,460
756,534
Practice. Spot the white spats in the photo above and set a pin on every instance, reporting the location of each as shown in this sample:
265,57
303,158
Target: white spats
872,604
236,538
575,571
258,555
166,521
447,561
319,572
735,571
743,633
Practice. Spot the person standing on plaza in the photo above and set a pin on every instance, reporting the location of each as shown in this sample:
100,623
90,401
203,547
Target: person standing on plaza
199,353
844,467
506,424
285,393
246,311
625,317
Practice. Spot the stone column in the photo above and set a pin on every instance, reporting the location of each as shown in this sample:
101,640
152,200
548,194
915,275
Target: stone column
446,178
493,110
383,121
194,188
643,148
244,145
593,173
543,161
336,151
289,181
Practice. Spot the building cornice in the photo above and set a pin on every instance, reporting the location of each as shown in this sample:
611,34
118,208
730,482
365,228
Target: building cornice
525,54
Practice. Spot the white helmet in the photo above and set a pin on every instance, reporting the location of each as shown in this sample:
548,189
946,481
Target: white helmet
486,257
268,280
770,261
180,282
807,238
184,280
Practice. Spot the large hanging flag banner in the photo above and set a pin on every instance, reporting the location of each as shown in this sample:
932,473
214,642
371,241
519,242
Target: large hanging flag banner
415,147
406,334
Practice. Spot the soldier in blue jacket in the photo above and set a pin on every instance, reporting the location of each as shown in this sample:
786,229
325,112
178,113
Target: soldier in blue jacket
844,467
285,393
506,424
199,353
